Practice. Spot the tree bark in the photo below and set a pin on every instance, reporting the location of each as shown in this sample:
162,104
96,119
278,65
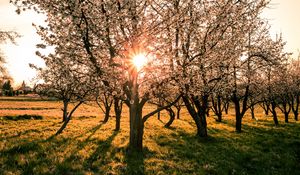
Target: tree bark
178,113
107,102
266,107
178,108
238,114
172,117
273,110
65,110
226,107
238,125
285,109
286,117
202,132
200,121
68,119
135,112
252,109
136,128
118,111
107,114
217,107
295,106
158,114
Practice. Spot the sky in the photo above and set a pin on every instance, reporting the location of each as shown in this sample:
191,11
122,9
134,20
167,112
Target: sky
283,15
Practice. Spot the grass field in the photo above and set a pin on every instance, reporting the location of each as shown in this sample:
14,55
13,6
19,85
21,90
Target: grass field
89,147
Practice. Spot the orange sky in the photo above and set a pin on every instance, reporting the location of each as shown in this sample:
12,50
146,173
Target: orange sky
283,15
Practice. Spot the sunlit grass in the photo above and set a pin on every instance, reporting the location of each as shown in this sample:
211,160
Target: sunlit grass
89,147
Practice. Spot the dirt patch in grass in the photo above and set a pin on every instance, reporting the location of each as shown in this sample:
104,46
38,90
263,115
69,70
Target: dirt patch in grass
23,117
27,108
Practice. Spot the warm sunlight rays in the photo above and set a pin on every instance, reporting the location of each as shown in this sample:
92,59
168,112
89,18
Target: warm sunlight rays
139,61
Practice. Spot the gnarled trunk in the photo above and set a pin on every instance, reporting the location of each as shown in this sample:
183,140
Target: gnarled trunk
273,111
285,108
202,132
65,110
136,127
172,117
118,105
252,109
238,115
68,118
217,107
178,106
295,106
238,123
107,114
266,107
178,113
226,107
199,115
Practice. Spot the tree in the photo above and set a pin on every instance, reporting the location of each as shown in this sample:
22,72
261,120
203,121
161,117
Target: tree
258,52
105,99
204,36
294,69
185,43
4,36
105,36
65,83
7,86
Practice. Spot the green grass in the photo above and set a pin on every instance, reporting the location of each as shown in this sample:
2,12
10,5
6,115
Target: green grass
88,146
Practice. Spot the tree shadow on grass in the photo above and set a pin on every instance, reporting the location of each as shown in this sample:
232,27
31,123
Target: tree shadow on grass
256,151
16,158
40,156
135,162
101,155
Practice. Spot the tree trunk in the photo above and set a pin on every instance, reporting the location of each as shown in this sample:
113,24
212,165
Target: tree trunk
238,124
172,117
286,117
252,109
207,111
178,112
136,118
238,116
107,114
295,106
157,107
203,110
226,107
217,108
63,126
296,114
118,111
266,107
136,128
275,118
201,130
68,118
285,109
118,122
158,114
178,108
65,111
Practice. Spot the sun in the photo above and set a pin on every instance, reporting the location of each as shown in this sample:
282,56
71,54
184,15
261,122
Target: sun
139,60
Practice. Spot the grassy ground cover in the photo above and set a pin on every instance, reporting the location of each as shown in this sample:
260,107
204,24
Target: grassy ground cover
89,147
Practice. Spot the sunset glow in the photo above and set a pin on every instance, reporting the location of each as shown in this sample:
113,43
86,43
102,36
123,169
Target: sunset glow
139,61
